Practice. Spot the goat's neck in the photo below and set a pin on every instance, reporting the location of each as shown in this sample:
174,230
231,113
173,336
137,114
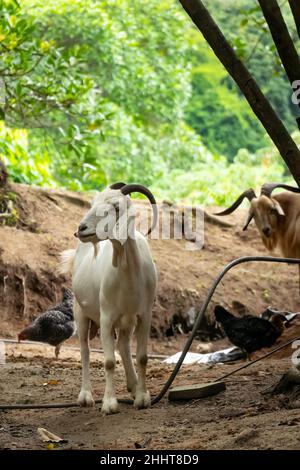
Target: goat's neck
126,256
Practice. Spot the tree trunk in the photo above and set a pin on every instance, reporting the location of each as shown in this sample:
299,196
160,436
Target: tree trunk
282,39
258,102
295,7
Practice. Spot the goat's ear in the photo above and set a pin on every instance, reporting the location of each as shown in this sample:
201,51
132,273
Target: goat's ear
249,218
278,208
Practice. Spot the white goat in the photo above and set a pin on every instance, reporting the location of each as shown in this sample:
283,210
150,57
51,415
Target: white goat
114,282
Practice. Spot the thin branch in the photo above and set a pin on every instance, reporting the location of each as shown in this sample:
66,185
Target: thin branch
25,72
252,52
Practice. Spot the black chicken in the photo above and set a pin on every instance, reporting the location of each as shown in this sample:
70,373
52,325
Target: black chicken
54,326
250,333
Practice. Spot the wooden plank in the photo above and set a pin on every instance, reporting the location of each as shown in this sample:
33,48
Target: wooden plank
192,392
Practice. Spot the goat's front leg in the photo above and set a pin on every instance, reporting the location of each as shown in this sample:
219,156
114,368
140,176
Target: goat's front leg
142,397
85,397
110,403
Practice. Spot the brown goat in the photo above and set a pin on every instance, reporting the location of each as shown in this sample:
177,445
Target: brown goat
276,217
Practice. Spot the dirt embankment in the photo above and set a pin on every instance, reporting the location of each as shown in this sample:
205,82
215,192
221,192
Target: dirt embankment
29,255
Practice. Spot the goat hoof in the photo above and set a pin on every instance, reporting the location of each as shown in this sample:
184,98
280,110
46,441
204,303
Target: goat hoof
110,406
85,398
142,400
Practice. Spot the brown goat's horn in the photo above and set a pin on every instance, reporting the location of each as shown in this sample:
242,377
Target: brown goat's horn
249,218
139,188
268,188
249,194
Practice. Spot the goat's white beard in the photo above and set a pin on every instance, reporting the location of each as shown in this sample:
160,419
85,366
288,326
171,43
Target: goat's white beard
96,249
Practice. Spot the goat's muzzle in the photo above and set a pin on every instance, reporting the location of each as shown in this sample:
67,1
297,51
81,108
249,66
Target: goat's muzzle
81,231
267,231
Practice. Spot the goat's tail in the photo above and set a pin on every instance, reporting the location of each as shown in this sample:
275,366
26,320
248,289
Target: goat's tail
66,263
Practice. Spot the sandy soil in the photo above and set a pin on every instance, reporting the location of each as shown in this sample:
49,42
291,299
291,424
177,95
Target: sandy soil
240,418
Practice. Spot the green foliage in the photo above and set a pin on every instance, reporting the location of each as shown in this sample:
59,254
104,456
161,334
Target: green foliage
24,166
216,110
214,181
133,50
43,84
97,92
135,56
244,26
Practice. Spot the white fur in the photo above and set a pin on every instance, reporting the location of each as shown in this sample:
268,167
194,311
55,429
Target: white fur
114,282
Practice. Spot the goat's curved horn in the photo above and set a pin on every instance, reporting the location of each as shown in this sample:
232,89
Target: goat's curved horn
268,188
139,188
118,185
249,218
249,194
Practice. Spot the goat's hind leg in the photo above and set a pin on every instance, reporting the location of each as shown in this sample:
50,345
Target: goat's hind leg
85,397
142,398
123,344
110,403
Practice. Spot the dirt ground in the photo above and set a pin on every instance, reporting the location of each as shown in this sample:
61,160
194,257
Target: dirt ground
239,418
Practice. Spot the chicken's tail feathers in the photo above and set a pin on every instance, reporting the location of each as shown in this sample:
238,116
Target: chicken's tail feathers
221,314
66,263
